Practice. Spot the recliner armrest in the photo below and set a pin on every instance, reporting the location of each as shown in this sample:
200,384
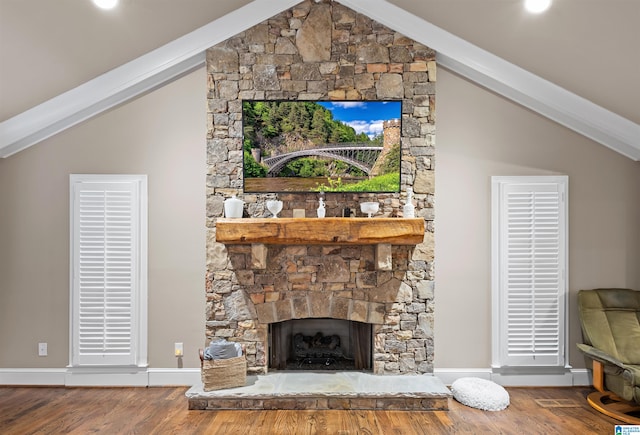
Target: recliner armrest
599,355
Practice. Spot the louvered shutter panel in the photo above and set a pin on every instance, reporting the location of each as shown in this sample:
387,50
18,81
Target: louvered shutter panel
532,261
106,275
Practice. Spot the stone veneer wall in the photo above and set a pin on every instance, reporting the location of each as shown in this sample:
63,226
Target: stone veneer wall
320,51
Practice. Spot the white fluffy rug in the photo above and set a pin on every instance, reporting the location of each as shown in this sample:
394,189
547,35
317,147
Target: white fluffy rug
480,393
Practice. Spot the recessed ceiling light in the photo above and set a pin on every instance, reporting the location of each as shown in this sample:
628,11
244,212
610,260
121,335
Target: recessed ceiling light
105,4
537,6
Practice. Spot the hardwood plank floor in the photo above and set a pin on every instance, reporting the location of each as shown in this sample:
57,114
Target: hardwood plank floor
163,410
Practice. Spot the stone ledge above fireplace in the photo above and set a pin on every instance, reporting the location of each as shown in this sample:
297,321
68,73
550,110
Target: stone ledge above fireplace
382,232
326,231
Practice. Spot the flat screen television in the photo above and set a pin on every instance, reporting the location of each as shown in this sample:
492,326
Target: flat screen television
321,146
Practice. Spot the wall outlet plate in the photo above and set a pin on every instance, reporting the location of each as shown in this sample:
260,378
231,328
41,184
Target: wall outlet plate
42,349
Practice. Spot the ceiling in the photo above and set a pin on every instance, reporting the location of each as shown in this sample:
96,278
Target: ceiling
588,47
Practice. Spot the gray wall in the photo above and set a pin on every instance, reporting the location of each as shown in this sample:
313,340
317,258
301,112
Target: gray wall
481,135
163,135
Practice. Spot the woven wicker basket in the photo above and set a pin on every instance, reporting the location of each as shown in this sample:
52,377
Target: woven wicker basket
218,374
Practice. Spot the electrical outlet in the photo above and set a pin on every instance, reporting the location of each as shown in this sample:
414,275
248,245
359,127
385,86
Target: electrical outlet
42,349
178,349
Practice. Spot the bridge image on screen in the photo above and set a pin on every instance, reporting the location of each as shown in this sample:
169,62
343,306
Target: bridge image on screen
329,146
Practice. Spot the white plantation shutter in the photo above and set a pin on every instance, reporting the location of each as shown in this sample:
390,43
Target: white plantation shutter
108,270
530,289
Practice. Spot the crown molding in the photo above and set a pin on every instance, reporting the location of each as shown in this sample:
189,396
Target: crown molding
187,53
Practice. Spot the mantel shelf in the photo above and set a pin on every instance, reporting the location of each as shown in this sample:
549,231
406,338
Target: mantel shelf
315,231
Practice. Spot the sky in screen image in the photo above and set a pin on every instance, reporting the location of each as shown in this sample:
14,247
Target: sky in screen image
364,116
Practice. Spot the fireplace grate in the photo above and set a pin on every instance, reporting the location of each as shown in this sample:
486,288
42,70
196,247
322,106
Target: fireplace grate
321,364
316,360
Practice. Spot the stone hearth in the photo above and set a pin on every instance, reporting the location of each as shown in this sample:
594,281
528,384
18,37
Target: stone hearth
345,390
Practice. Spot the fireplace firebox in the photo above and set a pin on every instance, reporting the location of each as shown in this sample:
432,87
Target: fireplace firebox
320,344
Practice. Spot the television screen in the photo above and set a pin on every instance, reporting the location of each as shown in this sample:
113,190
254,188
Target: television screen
321,146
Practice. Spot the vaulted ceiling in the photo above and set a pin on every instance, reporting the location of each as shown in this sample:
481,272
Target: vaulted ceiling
586,47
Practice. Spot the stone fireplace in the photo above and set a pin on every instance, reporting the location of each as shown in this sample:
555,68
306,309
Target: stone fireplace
329,282
322,50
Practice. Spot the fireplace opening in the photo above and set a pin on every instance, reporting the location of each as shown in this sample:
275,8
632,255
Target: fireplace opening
320,344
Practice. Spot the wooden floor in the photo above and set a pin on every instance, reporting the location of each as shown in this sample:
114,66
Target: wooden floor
36,410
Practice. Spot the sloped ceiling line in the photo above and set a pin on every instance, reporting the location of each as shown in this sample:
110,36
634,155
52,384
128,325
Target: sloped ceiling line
150,71
509,80
187,53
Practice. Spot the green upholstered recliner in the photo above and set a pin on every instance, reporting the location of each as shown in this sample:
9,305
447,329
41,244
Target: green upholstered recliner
610,320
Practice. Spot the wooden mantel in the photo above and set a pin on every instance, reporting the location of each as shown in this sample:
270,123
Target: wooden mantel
315,231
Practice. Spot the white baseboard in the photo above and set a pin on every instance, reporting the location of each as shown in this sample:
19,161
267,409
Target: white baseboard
570,378
533,380
581,377
40,377
449,375
106,377
157,377
100,377
174,377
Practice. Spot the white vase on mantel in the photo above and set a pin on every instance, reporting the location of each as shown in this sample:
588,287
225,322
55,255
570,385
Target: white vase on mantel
321,209
409,211
233,207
